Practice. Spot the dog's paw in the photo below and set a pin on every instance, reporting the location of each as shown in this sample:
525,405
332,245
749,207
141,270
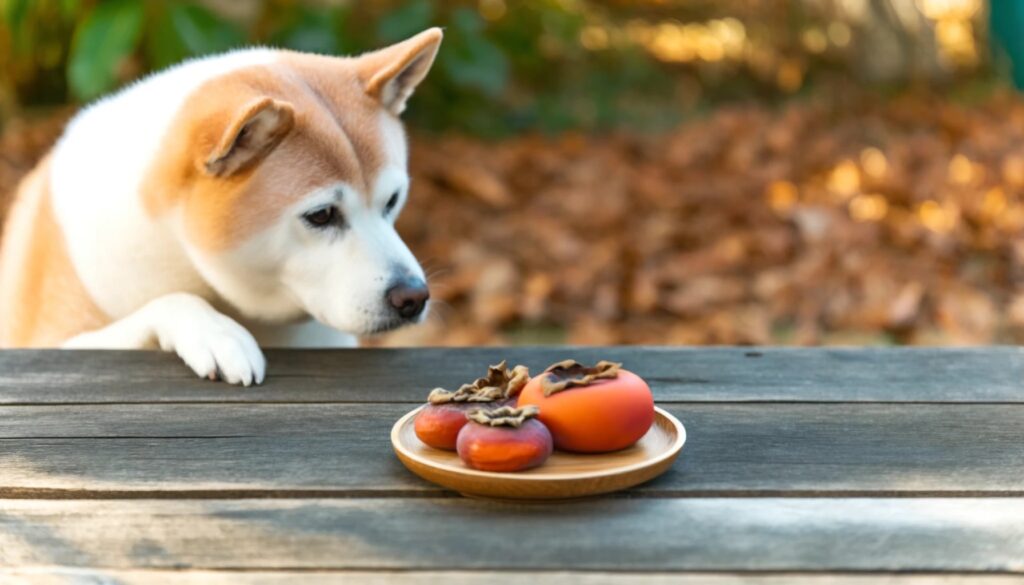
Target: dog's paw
213,345
222,352
221,349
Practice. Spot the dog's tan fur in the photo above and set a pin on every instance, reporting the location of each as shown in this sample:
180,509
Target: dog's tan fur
42,300
243,148
326,93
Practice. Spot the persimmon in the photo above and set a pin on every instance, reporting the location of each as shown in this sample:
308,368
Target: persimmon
440,421
438,425
504,439
591,409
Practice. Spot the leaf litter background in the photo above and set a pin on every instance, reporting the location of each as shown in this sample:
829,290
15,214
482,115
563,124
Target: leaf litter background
887,222
895,221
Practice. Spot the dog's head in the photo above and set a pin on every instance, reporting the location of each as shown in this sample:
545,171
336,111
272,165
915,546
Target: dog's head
288,176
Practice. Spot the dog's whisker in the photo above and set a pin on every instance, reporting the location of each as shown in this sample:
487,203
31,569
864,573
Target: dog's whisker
442,306
429,264
444,316
433,270
438,318
441,291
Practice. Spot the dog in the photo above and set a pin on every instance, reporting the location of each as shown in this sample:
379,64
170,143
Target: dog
230,202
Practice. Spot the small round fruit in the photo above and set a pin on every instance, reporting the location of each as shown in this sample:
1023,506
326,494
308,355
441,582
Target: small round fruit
490,446
440,421
438,425
591,410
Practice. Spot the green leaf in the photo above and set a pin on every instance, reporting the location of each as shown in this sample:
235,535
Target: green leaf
14,12
15,15
467,22
408,20
311,30
202,32
185,30
470,59
164,46
107,36
70,8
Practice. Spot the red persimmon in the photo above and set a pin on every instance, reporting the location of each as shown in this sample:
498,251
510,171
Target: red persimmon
504,439
440,421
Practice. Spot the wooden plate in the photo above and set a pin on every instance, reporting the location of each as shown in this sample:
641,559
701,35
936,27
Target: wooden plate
563,475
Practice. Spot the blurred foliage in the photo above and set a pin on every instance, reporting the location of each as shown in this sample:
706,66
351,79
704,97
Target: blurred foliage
1007,17
510,65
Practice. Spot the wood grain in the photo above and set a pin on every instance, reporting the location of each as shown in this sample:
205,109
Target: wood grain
695,534
206,450
406,375
65,576
801,466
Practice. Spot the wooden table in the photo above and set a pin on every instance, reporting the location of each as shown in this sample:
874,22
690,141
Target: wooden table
802,466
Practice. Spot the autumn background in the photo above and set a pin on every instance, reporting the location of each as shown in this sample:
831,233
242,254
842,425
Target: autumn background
648,171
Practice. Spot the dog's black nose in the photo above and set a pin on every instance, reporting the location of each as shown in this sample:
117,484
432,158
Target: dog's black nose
408,297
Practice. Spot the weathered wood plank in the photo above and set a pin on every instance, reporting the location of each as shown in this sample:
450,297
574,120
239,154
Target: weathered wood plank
698,534
405,375
62,576
220,450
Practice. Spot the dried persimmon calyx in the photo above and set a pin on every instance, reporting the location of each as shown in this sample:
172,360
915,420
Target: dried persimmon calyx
500,383
506,416
570,373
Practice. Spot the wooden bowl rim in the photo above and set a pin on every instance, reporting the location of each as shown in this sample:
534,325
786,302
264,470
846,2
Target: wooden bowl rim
671,452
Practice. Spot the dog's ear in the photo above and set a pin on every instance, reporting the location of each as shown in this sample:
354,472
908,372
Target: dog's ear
251,134
391,74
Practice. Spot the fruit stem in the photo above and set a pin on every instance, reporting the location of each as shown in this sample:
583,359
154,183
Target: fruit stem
570,374
506,416
500,383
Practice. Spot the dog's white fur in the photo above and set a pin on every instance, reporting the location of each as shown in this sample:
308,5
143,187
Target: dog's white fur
216,308
98,166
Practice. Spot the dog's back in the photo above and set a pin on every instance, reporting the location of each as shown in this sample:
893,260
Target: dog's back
42,301
42,298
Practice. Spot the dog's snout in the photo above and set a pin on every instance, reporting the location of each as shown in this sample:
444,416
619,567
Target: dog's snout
408,297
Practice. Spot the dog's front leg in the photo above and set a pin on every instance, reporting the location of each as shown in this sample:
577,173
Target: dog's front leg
211,344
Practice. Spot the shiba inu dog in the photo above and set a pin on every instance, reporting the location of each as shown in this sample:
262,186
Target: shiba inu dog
229,202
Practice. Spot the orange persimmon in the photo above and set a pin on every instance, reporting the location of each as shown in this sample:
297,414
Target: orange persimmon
591,410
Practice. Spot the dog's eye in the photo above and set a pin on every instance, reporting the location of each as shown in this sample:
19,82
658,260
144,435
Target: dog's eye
392,202
322,217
